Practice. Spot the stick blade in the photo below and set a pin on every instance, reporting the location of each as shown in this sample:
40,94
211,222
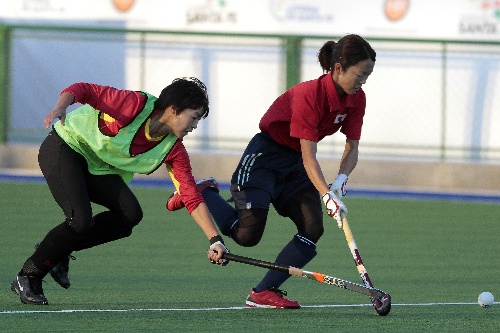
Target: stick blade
382,305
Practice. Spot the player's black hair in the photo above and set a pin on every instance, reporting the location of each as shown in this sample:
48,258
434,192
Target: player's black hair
184,93
348,51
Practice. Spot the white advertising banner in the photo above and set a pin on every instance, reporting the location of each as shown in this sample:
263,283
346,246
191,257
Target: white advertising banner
473,20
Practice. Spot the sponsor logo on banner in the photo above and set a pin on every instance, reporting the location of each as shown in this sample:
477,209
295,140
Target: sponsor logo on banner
41,6
212,12
485,20
123,5
395,10
301,11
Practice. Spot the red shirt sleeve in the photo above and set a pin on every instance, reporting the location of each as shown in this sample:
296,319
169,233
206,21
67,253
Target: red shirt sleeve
307,111
178,159
353,123
121,105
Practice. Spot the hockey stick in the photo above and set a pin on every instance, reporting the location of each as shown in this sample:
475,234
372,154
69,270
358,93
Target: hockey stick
381,304
319,277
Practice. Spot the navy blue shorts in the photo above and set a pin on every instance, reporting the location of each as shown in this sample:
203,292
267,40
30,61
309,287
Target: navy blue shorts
268,173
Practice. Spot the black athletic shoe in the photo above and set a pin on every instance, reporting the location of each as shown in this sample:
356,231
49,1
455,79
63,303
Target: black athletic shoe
60,271
29,289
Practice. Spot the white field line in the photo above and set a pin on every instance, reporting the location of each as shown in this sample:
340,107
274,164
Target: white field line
218,309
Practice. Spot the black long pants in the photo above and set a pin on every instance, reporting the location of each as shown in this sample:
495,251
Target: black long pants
74,188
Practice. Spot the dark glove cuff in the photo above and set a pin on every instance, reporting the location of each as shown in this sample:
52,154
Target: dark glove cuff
216,239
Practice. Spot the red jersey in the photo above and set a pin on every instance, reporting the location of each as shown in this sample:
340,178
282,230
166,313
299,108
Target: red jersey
120,107
312,110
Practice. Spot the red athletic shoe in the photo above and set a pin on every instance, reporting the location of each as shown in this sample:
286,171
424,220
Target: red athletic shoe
270,299
206,183
174,202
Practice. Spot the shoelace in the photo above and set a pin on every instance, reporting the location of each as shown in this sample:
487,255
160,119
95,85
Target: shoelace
65,263
279,291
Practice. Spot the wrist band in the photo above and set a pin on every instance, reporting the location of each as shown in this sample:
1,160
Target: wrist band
216,239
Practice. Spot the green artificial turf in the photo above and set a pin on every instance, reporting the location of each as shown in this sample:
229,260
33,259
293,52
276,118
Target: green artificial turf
433,257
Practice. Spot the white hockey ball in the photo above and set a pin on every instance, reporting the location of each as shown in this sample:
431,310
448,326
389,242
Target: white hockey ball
485,299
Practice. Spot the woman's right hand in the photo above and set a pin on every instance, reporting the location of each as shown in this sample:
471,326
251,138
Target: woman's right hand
58,112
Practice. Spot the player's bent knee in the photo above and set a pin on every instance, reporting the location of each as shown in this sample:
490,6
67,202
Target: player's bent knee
125,232
315,233
134,217
78,226
128,227
250,228
246,240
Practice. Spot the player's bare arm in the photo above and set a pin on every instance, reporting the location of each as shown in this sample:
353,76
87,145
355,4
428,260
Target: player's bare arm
202,217
332,201
59,111
311,164
349,157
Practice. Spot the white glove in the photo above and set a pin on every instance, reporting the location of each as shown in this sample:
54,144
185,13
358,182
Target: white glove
215,247
334,206
339,186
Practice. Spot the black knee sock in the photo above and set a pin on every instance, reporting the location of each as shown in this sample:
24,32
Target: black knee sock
57,244
297,253
222,212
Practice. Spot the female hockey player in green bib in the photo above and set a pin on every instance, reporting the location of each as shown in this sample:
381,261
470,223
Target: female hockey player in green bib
90,156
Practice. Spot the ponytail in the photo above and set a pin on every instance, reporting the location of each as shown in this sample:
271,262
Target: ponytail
325,55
